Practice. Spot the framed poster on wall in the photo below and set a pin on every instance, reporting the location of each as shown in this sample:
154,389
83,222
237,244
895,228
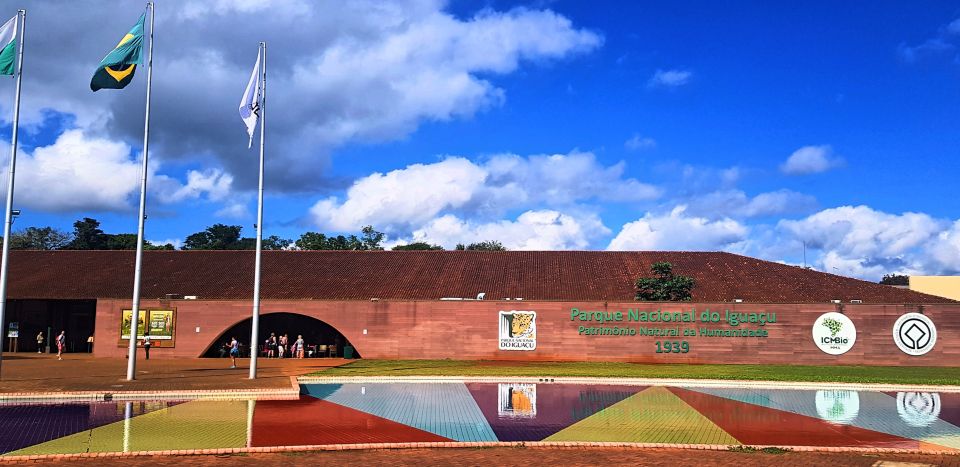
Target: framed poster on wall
159,324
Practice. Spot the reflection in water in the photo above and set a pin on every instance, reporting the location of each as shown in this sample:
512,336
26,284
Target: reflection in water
918,409
127,417
441,412
517,400
251,406
839,407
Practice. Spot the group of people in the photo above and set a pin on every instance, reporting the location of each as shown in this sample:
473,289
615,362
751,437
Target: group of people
275,346
61,342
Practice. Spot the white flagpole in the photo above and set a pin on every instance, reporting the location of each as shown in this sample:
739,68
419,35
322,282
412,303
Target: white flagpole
8,222
254,338
135,309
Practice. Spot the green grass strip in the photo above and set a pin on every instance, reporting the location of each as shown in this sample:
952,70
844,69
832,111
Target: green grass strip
833,374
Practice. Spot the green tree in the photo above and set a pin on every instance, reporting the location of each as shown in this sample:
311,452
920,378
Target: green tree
311,241
274,242
664,286
121,241
371,239
417,246
895,279
128,241
88,236
341,242
489,245
39,238
215,237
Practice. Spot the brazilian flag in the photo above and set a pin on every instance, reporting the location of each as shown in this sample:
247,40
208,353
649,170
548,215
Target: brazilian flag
116,69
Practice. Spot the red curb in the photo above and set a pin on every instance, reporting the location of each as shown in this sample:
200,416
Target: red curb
455,445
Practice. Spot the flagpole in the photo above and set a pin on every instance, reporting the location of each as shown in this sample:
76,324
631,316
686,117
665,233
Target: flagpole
135,309
254,338
8,216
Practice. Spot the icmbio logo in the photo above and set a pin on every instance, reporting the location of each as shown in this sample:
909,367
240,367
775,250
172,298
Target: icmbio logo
834,333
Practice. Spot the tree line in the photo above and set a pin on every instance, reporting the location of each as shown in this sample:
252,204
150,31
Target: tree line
87,235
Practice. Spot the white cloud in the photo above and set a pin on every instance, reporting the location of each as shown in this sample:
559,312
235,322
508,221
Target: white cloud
864,232
195,10
864,242
735,203
559,179
235,209
533,230
76,172
679,231
669,78
810,160
954,27
637,142
213,182
82,172
945,250
404,199
409,196
427,69
360,71
930,47
941,44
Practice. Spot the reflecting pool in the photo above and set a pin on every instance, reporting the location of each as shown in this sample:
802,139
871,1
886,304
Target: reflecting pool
443,412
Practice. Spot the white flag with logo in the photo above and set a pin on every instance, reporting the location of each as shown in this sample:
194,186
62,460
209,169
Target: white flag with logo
250,103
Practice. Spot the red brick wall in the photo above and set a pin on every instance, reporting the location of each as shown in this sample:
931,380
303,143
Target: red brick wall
469,330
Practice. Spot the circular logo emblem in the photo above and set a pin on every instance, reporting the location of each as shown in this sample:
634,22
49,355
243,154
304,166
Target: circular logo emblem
918,409
914,334
834,333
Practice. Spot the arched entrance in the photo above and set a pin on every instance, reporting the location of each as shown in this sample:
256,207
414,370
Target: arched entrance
320,338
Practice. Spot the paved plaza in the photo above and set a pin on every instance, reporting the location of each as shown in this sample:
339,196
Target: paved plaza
29,372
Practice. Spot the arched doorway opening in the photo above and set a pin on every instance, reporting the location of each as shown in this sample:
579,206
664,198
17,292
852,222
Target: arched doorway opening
321,339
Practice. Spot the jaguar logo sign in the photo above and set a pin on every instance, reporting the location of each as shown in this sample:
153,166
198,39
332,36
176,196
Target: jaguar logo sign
518,330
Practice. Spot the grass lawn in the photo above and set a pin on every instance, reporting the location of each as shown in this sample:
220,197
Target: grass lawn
842,374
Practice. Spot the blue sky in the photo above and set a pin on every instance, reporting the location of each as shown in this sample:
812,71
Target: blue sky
745,127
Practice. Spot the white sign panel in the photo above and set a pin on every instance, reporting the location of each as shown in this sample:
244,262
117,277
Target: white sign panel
518,330
914,334
834,333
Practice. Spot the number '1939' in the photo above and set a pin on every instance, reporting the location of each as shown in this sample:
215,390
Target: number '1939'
673,347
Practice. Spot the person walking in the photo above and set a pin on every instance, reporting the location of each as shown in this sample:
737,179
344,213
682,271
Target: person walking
61,341
146,347
298,346
90,344
234,351
40,342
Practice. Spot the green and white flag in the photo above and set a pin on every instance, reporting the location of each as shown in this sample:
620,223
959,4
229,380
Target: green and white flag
116,69
8,46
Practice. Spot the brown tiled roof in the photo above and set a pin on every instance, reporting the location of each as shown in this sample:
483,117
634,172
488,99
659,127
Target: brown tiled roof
428,275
